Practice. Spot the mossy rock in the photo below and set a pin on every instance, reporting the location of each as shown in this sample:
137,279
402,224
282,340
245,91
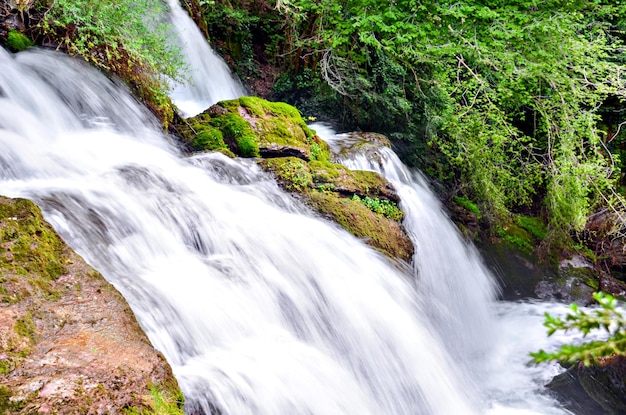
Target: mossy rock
291,173
69,342
329,189
299,160
28,246
350,182
17,41
381,233
253,127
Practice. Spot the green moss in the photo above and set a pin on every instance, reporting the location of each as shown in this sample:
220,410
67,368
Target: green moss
377,231
18,42
523,232
464,202
29,245
239,134
5,367
209,138
533,225
247,123
6,405
293,173
25,327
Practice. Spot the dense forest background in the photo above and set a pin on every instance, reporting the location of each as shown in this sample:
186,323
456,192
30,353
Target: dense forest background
516,107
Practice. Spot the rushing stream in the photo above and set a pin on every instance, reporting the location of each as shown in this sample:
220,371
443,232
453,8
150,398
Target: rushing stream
260,306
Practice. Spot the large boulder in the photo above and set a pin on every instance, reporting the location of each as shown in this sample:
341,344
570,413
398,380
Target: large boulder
363,202
69,343
596,389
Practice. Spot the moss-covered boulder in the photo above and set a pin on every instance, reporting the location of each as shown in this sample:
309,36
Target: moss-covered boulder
361,201
69,343
252,127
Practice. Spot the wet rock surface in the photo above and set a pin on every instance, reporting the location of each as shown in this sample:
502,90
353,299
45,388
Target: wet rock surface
69,343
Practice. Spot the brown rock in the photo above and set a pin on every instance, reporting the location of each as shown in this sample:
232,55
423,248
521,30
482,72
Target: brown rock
69,341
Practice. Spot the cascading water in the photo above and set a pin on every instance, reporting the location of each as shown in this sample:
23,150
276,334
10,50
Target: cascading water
260,307
210,79
459,292
456,284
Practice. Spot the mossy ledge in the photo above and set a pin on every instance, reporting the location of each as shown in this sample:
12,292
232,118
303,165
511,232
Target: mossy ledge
69,342
300,161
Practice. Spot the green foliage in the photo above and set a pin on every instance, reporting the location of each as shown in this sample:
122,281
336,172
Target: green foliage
126,37
501,98
315,151
467,204
607,318
17,41
231,29
161,403
385,207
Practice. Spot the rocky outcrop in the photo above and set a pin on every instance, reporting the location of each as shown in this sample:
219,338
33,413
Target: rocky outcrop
362,202
69,343
597,389
250,127
575,282
338,194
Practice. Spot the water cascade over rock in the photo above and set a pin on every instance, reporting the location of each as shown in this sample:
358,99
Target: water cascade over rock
260,306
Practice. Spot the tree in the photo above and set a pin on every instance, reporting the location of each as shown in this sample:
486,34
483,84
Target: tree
509,93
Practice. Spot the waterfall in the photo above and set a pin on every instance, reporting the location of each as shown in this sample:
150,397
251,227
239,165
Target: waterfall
259,306
455,283
210,79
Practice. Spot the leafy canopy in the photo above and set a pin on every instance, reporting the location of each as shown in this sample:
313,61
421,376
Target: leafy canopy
509,93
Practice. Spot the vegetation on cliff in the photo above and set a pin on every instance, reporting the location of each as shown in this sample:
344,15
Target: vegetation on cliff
126,38
516,106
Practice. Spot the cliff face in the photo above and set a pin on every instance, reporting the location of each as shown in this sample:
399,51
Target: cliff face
69,343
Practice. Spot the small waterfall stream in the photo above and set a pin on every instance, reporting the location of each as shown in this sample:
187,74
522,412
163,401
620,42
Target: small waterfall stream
260,306
210,79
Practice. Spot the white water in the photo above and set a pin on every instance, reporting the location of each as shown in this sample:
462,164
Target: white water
210,79
260,307
491,340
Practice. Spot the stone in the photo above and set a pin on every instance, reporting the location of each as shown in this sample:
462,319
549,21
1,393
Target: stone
69,342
